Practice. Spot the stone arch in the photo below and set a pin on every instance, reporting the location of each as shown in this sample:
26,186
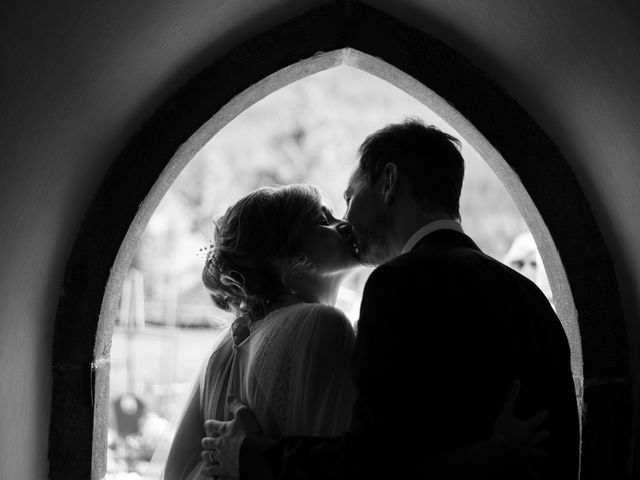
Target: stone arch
522,155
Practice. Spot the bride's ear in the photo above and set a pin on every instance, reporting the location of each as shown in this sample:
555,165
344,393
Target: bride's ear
389,182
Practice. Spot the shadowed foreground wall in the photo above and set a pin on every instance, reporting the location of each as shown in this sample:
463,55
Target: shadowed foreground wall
79,78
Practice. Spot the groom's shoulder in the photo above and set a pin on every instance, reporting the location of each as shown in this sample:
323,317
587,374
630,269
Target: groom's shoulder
419,258
403,269
437,263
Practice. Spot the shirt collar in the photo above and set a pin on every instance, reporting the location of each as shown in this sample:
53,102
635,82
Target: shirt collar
429,228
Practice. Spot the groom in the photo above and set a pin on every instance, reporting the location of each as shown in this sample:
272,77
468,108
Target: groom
443,332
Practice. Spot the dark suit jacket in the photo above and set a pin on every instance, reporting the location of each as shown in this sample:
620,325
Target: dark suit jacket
443,332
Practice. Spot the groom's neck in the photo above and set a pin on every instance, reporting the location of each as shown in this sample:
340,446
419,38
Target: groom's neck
408,220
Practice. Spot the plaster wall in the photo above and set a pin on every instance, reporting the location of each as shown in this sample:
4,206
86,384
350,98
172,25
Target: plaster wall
80,77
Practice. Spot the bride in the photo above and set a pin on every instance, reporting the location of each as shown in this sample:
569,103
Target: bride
278,260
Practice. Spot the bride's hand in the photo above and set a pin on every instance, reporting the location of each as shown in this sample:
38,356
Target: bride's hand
521,439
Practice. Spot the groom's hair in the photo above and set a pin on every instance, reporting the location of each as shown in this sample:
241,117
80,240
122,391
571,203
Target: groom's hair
428,157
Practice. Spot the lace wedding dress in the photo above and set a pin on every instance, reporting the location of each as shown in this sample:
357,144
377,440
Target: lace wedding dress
293,371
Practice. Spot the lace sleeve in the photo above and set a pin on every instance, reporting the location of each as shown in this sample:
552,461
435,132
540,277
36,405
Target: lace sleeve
321,391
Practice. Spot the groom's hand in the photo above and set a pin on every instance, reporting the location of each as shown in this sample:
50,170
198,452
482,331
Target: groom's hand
222,444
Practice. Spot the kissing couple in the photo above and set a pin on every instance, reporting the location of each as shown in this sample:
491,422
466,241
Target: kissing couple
459,367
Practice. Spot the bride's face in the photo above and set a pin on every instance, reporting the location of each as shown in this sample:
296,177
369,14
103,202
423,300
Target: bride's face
328,244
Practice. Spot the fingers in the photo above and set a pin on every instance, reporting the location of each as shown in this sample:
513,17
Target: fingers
243,415
540,436
209,443
215,428
532,475
512,397
205,455
212,467
537,454
233,403
214,471
217,472
236,406
536,421
248,419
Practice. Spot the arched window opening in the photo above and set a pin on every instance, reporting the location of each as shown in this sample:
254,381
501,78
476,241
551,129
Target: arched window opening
306,132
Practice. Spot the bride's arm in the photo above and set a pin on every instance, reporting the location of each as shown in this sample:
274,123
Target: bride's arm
185,448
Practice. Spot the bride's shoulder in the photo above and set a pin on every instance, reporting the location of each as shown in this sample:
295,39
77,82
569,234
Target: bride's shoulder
324,320
320,311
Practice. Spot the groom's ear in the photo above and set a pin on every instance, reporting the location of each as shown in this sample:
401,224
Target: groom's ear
389,181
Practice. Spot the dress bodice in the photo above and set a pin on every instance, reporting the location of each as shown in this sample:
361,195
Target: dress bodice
293,371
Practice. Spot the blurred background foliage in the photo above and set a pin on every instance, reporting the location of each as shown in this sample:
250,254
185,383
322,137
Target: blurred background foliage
307,132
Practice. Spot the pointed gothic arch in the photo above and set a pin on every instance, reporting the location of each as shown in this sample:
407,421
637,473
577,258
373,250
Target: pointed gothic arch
523,156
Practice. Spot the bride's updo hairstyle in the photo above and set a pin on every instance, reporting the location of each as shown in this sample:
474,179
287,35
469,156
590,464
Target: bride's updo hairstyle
255,247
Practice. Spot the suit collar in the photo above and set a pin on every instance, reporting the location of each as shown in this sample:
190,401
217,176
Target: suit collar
444,223
446,238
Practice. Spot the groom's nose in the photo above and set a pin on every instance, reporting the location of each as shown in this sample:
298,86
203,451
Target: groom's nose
346,213
344,228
